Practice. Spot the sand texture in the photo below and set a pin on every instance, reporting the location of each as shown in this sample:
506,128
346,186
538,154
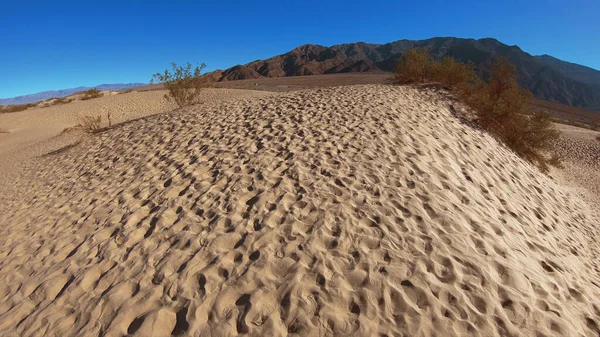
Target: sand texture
364,210
580,150
42,131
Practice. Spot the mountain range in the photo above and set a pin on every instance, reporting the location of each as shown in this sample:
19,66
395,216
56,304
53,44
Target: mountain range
44,95
545,76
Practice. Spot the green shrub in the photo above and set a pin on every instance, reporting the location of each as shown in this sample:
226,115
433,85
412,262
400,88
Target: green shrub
184,84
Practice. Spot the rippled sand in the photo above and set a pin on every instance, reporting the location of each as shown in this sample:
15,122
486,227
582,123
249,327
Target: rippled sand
358,210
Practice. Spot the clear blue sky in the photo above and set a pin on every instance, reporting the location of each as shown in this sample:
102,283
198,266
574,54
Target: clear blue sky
47,45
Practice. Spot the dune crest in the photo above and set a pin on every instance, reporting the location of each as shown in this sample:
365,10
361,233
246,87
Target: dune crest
358,210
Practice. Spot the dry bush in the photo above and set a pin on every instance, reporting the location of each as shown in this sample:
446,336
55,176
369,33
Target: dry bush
56,101
22,107
415,66
91,124
184,83
501,108
453,74
126,91
60,101
598,138
16,107
92,93
500,105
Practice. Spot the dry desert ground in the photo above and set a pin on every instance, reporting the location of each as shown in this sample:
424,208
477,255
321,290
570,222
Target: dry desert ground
363,210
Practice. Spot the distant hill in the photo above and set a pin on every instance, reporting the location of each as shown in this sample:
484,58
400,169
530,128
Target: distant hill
573,71
546,77
44,95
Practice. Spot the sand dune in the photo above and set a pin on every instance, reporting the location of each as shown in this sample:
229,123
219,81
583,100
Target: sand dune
36,132
580,150
361,210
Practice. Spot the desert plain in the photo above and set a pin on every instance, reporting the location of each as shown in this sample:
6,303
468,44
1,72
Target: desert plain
356,210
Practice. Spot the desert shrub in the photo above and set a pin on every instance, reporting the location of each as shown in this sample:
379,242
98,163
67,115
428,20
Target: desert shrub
501,108
453,74
16,107
127,91
60,101
415,66
92,93
55,101
91,124
109,118
500,105
598,138
183,83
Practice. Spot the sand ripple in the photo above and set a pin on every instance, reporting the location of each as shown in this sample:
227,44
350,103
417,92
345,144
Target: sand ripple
360,210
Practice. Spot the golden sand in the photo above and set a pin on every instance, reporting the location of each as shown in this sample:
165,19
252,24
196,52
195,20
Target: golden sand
361,210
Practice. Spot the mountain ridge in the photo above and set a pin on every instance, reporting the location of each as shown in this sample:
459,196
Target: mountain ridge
547,77
44,95
550,79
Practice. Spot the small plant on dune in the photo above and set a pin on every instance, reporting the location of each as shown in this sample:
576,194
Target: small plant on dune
92,93
415,66
91,124
56,101
183,83
598,138
126,91
109,118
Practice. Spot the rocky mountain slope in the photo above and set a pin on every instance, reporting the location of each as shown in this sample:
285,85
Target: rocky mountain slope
546,77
